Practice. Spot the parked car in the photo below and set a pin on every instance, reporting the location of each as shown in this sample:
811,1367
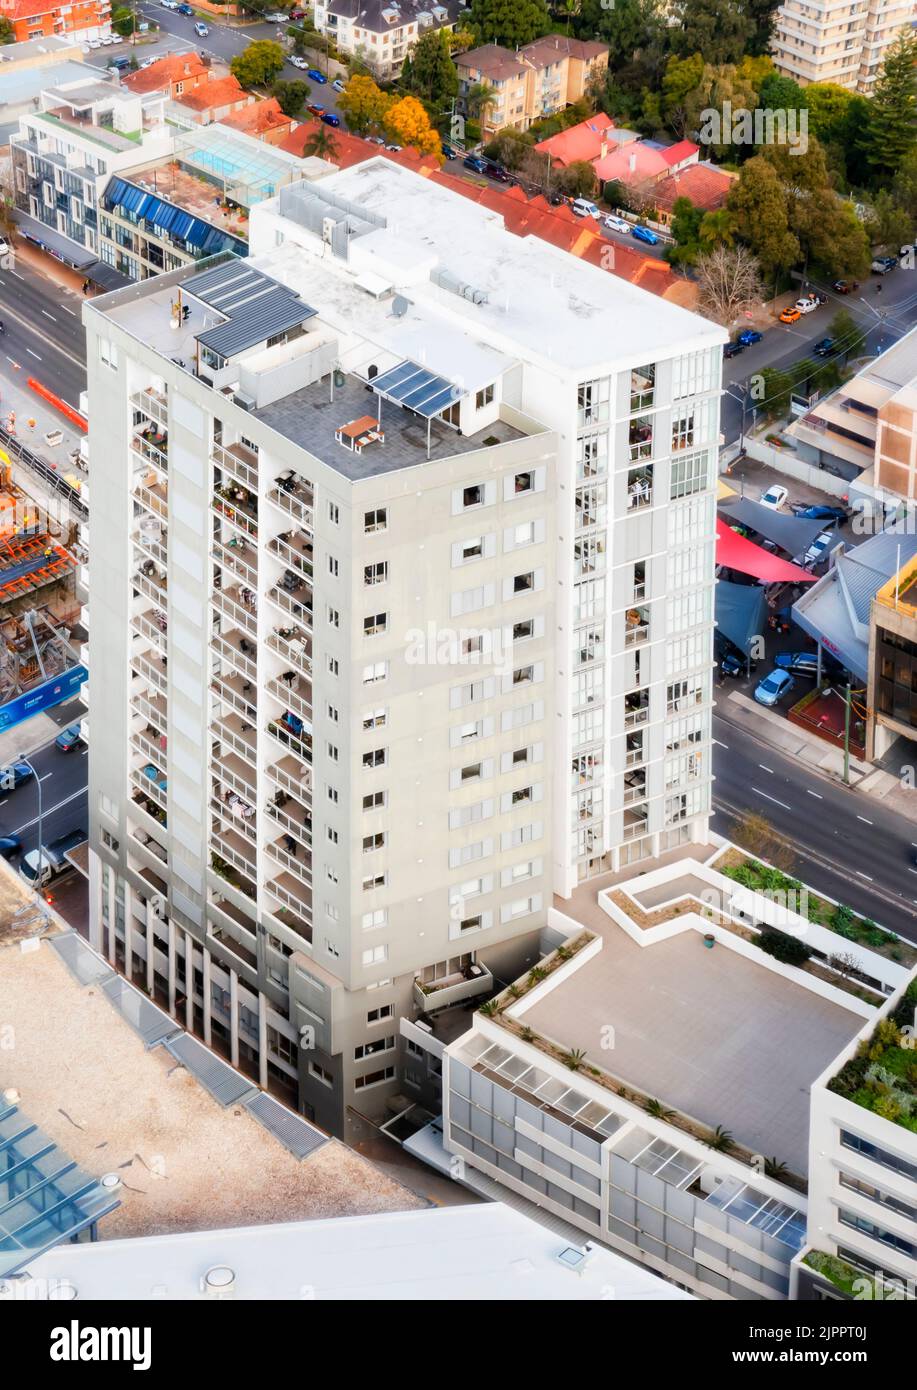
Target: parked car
615,224
845,286
13,776
337,84
749,336
10,846
315,109
449,152
107,39
298,62
774,497
497,172
645,234
803,663
330,118
119,64
790,314
376,140
806,306
733,349
825,347
93,43
582,207
393,149
774,687
818,549
186,10
883,264
556,200
317,76
69,739
471,161
297,13
201,29
819,512
278,17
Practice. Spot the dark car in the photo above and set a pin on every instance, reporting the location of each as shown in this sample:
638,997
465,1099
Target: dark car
749,336
733,349
803,663
13,776
69,739
316,76
826,347
883,264
819,512
556,200
10,845
449,152
845,286
186,9
330,118
496,171
473,161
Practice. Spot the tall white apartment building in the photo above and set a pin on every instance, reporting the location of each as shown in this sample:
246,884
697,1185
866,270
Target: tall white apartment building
842,41
401,598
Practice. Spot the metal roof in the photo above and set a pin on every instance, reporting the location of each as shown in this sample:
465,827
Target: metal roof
417,389
44,1197
224,1084
256,307
788,532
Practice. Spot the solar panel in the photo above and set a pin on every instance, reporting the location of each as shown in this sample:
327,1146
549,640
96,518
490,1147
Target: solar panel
417,389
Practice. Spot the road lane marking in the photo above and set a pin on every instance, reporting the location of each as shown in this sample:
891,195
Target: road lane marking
811,793
49,810
18,276
726,746
772,798
72,312
33,354
860,874
49,316
864,820
46,776
766,769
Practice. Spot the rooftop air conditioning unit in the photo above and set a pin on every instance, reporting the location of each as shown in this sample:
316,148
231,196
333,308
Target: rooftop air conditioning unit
328,226
244,402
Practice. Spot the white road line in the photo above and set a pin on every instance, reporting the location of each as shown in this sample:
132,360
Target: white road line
864,820
766,769
33,354
72,312
18,276
49,810
721,745
11,360
46,776
811,793
6,799
49,316
909,869
860,874
772,798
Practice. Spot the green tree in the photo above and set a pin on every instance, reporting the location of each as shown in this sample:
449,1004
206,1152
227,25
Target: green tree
831,237
320,143
258,64
291,96
845,331
779,93
480,100
717,229
889,224
762,15
891,128
7,33
759,206
511,148
682,77
509,22
577,180
627,27
685,228
430,71
719,29
122,21
772,391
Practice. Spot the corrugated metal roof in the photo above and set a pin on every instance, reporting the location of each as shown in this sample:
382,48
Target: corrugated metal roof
294,1133
223,1083
256,307
145,1018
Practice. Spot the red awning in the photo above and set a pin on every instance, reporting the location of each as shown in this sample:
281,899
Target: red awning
737,553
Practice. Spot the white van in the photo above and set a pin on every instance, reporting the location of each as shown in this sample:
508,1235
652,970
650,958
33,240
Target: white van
583,208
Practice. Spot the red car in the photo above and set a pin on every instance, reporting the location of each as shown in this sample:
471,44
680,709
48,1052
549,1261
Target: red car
845,286
316,109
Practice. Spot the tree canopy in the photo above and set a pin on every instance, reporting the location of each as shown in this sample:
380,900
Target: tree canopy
509,22
258,64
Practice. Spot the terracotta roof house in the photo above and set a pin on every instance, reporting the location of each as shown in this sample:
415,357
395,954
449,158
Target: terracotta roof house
707,187
540,78
589,140
215,100
263,120
35,19
176,74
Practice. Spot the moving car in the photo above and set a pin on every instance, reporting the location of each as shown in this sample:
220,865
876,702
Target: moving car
330,118
201,29
818,549
582,207
774,497
616,224
278,17
845,286
337,84
13,776
317,76
471,161
69,739
448,151
733,349
883,264
749,336
819,512
645,234
10,845
790,315
803,663
298,62
774,687
826,347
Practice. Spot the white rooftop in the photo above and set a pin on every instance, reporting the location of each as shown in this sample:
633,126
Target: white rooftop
540,303
482,1252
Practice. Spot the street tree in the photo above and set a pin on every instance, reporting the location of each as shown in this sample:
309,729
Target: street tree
480,100
729,284
258,64
291,96
429,70
719,29
364,104
7,32
758,204
891,129
407,123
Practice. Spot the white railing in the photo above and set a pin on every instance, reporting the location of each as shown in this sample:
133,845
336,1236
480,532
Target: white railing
145,745
153,404
145,668
152,590
291,863
295,827
291,556
232,779
245,617
235,516
242,704
297,658
150,499
230,557
152,631
237,823
297,608
234,656
237,464
293,505
290,698
236,742
298,786
150,453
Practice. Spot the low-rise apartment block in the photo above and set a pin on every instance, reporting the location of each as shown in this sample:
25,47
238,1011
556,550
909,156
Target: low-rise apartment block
161,218
36,19
382,32
401,617
534,81
840,41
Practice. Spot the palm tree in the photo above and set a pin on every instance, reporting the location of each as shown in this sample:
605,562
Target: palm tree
574,1058
658,1110
320,143
720,1140
481,97
774,1168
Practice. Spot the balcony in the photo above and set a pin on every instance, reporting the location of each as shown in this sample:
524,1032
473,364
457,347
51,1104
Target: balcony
152,625
642,388
295,646
238,603
145,803
288,732
468,981
150,742
636,626
634,787
239,462
237,506
151,667
153,708
237,692
286,852
635,823
636,709
238,649
639,488
294,497
290,774
635,752
290,914
152,494
237,852
292,817
293,894
640,438
153,404
293,596
150,580
152,445
150,536
152,782
231,768
234,815
294,692
238,555
294,548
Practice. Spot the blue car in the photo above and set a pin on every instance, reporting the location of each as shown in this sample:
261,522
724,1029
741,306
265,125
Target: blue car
13,776
330,118
804,663
449,152
644,234
316,76
774,687
820,513
472,161
10,846
69,739
749,337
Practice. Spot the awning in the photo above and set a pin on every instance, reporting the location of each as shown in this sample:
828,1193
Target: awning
59,245
105,276
413,386
791,534
736,553
740,612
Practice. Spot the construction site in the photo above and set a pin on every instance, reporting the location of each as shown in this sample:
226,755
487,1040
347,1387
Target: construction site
40,608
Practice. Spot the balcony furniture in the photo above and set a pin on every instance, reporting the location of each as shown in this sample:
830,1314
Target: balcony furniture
359,433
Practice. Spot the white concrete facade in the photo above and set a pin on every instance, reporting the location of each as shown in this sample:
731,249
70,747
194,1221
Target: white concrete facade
841,41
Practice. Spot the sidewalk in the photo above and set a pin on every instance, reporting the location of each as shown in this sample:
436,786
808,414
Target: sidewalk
816,754
50,268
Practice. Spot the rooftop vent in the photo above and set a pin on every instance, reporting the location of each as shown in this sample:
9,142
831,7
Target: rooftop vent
576,1257
110,1181
219,1282
400,306
447,281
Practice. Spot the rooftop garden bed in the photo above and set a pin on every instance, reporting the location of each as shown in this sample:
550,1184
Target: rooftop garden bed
882,1076
850,1280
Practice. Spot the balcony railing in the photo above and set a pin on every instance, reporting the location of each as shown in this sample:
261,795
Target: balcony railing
153,404
290,774
149,787
232,813
155,711
242,701
149,670
292,697
295,502
302,747
298,608
155,453
636,633
301,868
234,738
152,630
228,648
236,850
471,982
152,584
232,772
240,556
157,504
147,743
636,716
228,602
290,915
634,795
243,518
297,557
240,462
300,827
293,894
295,650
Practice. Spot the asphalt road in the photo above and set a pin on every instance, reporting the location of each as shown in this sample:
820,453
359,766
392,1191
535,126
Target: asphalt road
43,332
847,844
65,805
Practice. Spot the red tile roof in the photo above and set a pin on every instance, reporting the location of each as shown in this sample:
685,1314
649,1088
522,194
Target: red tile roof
677,154
160,75
222,91
583,141
491,61
260,118
28,9
706,187
543,52
635,163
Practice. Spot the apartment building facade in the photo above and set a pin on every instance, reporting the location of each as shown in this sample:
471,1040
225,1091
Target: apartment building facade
143,232
841,41
360,536
36,19
534,81
382,32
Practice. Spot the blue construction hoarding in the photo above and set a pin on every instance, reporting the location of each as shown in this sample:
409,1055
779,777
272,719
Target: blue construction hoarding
52,692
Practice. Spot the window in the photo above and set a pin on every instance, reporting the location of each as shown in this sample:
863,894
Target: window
690,474
523,675
334,568
523,583
373,842
373,881
524,630
472,549
875,1194
321,1074
524,534
109,841
379,1015
375,719
376,757
374,624
683,430
368,1049
331,835
484,397
372,921
333,714
471,923
473,496
334,513
334,666
471,773
108,354
374,955
334,617
869,1228
374,801
374,1078
333,795
376,573
333,753
522,483
877,1155
376,520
